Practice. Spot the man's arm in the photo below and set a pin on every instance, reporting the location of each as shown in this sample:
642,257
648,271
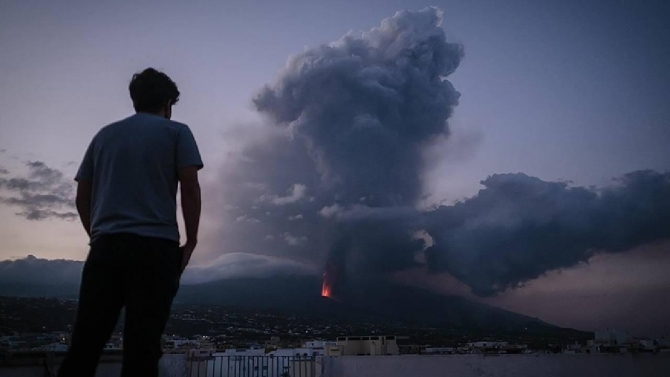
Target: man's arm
83,202
190,205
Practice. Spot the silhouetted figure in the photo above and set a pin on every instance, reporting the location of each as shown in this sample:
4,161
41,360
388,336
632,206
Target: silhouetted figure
126,199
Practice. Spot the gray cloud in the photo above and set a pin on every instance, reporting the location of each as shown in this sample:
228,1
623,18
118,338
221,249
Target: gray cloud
236,265
295,194
40,214
352,121
361,110
294,240
33,271
43,194
518,227
38,271
366,105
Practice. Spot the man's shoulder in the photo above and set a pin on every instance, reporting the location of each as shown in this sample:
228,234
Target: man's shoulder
108,130
178,125
119,123
157,121
142,120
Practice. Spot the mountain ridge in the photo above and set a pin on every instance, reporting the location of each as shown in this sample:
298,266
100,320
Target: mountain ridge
302,294
360,302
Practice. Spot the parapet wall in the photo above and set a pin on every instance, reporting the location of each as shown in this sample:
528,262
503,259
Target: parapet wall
496,366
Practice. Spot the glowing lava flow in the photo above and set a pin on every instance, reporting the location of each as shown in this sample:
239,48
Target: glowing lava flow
330,274
325,287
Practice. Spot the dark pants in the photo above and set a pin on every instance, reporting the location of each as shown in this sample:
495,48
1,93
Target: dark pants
140,273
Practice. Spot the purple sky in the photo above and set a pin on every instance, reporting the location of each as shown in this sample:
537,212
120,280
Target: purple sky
556,90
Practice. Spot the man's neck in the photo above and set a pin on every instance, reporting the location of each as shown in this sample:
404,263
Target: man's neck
155,113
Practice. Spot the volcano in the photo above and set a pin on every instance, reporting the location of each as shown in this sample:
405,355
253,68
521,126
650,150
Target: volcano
379,299
360,301
329,279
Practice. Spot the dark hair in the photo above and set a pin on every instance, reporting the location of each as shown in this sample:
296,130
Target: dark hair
150,90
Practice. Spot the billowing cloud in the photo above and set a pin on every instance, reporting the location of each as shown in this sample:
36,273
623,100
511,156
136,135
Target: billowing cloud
33,271
294,240
295,193
361,110
330,211
235,265
351,122
43,194
364,106
37,271
244,218
518,227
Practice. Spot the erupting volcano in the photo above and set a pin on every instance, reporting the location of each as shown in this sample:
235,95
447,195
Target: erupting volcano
325,287
329,277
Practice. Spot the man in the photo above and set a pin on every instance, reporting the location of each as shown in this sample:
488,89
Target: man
126,199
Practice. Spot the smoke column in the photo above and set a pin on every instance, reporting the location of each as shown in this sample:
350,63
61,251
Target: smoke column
365,107
335,180
519,227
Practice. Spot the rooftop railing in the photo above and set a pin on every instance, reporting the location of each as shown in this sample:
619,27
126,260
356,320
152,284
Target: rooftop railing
252,366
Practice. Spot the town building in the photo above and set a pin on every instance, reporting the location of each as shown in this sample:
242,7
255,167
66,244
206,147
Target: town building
368,345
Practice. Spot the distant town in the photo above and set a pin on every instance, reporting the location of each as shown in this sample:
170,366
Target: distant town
38,324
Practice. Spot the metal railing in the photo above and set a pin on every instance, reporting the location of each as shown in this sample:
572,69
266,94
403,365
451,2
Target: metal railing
252,366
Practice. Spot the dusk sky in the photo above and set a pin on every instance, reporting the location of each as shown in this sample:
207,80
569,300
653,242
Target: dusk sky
569,93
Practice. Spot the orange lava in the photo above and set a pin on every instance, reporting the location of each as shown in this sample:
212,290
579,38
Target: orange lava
325,287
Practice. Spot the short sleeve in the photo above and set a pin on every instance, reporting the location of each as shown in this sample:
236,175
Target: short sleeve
85,172
187,150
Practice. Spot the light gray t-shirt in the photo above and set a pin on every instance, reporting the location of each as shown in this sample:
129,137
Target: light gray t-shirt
133,166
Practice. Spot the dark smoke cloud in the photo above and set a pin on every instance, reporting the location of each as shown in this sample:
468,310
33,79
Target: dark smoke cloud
45,193
518,227
366,105
362,109
334,178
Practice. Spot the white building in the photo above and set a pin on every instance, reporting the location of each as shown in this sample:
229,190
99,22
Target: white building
251,351
610,341
318,344
297,352
368,345
439,350
488,344
613,337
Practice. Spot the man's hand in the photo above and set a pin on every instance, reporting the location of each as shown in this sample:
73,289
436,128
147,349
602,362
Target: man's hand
186,252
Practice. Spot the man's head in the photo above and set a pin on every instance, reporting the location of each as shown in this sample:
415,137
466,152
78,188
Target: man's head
153,92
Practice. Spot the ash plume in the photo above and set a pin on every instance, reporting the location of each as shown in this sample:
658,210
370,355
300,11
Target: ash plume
333,178
365,107
519,227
